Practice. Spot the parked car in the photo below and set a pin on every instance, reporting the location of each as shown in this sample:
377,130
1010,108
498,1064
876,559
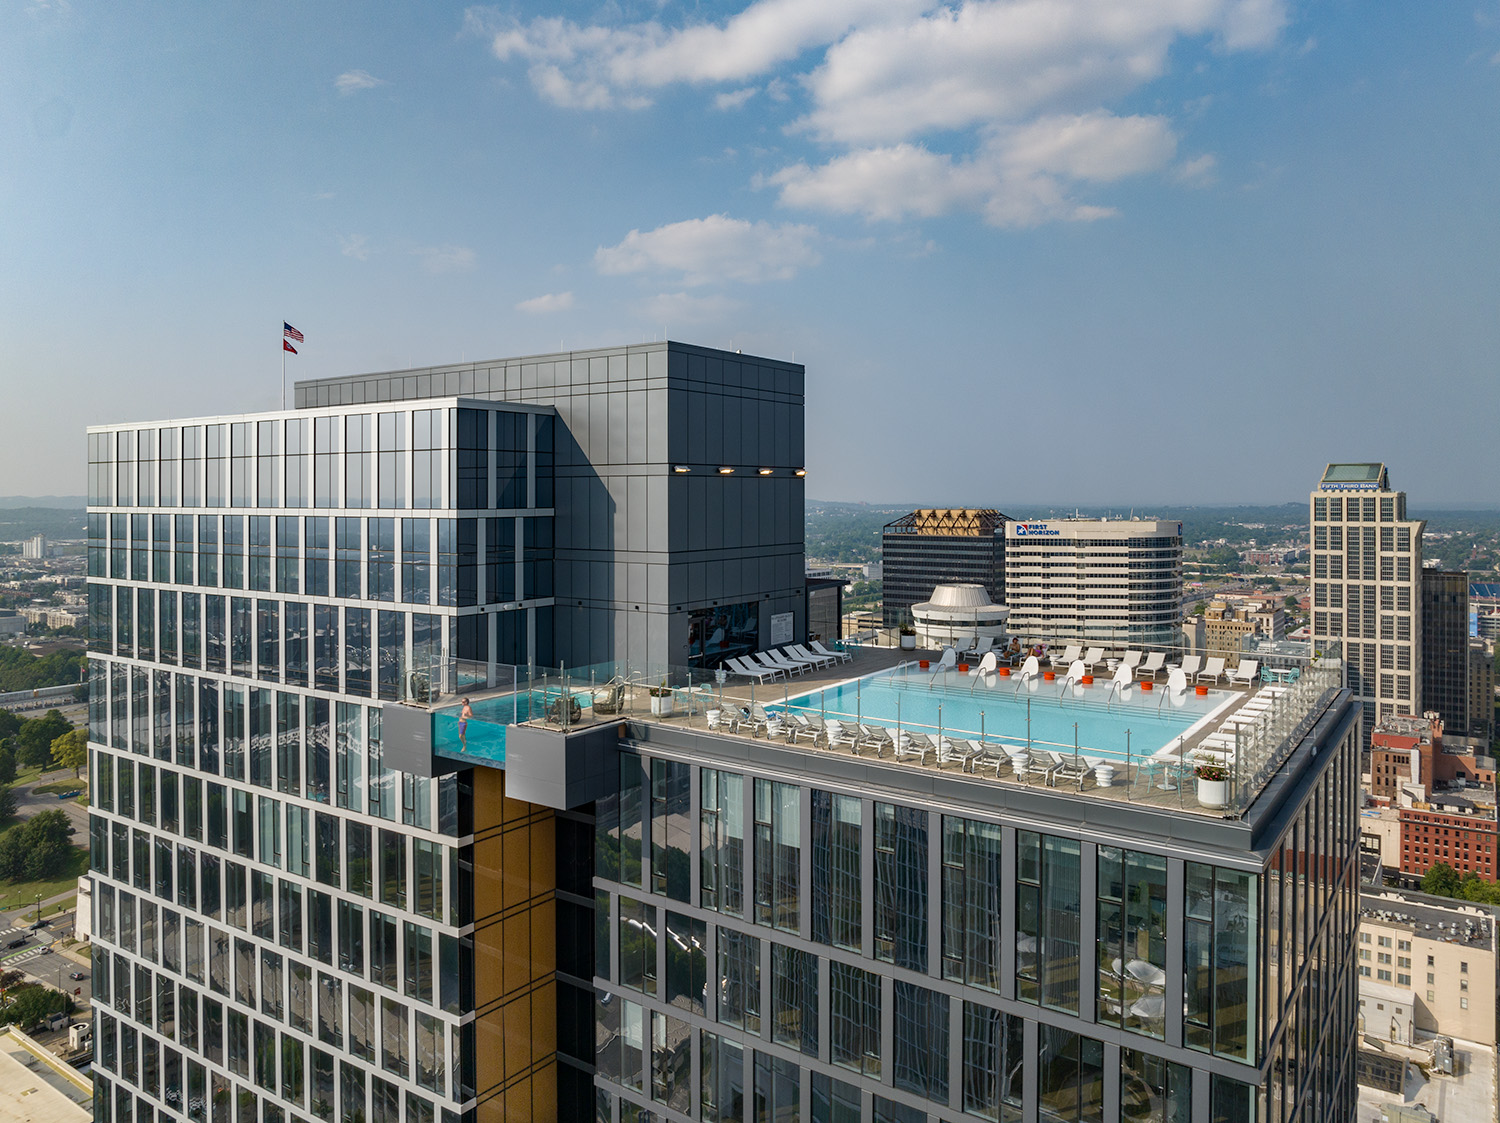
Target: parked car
77,975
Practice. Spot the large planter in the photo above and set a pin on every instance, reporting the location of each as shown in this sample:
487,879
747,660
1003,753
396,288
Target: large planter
1213,793
908,643
661,706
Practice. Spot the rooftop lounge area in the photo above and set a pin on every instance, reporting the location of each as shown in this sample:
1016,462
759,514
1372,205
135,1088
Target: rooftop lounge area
1133,725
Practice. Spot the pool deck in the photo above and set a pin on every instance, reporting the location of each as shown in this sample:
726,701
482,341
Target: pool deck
1169,786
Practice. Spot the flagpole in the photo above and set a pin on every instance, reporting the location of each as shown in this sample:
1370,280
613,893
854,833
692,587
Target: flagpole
283,371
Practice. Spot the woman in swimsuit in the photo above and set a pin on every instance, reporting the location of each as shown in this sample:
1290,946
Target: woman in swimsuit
463,724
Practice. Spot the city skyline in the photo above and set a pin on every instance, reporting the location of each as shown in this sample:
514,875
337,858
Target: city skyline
1263,217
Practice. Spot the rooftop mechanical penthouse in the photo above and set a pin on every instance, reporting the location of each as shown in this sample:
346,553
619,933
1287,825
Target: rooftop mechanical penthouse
622,891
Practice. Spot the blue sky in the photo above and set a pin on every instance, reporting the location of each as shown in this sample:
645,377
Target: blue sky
1030,251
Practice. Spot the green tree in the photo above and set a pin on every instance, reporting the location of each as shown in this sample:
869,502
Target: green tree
1200,608
34,739
71,750
1292,604
37,848
7,765
29,1003
1441,880
9,724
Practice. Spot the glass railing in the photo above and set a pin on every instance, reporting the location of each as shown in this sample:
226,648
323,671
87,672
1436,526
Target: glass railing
1134,751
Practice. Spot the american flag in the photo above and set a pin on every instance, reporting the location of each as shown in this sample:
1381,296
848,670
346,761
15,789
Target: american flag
291,333
285,346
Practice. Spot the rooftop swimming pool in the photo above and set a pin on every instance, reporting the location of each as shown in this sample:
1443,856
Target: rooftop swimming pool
485,736
1003,709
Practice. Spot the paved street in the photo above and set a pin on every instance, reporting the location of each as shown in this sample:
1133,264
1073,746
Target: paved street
28,803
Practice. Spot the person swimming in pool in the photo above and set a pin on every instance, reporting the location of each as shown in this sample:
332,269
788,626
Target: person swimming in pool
463,724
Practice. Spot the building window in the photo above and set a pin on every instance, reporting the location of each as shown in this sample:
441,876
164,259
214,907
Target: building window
1047,920
901,886
722,826
1132,958
778,850
854,1022
1219,959
971,902
837,888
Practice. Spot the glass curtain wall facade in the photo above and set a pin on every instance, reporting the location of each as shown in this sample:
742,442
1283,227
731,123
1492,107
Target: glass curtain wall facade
1445,648
283,926
869,954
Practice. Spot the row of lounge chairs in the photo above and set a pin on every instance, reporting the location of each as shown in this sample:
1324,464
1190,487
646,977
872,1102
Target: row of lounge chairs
868,739
792,659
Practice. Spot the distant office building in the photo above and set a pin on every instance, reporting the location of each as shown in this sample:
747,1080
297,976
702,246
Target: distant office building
1115,582
1481,691
34,547
1445,647
940,546
1441,951
1269,557
1367,586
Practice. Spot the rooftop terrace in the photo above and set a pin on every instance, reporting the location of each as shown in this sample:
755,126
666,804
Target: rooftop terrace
1245,730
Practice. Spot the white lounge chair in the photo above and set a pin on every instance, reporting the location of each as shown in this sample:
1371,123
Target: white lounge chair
980,646
1155,662
1073,651
801,652
987,665
1029,669
1132,659
1213,670
776,659
1123,676
840,656
1177,681
1093,657
1064,767
1191,665
1245,673
788,655
1075,672
742,666
947,662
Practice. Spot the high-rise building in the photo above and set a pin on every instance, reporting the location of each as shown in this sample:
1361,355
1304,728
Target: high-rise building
1481,691
1367,587
323,892
287,926
1116,582
939,546
1445,648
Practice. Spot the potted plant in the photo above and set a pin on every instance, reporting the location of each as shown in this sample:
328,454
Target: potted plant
908,637
661,700
1213,784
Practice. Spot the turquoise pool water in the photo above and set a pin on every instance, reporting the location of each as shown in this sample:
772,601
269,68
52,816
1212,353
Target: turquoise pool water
486,733
1040,711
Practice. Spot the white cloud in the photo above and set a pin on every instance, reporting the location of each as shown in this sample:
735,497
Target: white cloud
547,302
446,259
735,99
670,308
356,246
716,248
352,81
1018,177
997,105
1200,171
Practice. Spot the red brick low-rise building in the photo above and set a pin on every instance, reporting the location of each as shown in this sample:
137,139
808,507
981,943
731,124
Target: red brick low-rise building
1463,838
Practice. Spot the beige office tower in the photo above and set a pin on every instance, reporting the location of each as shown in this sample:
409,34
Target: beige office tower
1367,587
